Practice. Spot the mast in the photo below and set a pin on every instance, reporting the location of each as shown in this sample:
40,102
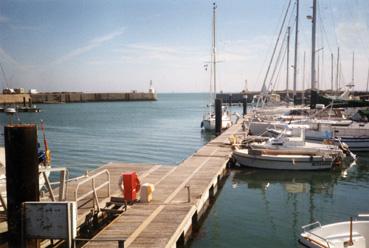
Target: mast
296,46
367,82
318,73
353,69
303,81
288,62
332,72
214,53
313,93
338,69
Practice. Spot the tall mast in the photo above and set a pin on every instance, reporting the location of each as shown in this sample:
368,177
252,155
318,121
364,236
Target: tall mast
317,80
338,69
367,82
353,69
296,46
332,72
214,53
303,81
313,93
288,62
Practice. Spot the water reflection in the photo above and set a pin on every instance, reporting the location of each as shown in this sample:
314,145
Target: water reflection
206,136
292,181
291,189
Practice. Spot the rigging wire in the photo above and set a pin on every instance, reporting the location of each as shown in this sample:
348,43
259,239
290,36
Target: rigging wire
282,52
275,47
271,44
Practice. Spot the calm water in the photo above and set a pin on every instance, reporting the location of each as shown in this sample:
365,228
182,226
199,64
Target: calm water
258,208
85,135
255,208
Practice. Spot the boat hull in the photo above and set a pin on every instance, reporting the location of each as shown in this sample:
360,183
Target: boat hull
336,235
355,144
209,124
282,162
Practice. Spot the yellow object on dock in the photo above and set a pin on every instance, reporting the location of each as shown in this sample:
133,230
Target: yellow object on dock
146,192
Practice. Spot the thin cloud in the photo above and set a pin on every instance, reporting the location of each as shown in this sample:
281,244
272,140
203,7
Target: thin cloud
92,44
143,53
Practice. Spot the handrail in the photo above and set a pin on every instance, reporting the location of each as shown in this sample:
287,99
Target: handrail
317,242
313,234
64,174
310,225
94,189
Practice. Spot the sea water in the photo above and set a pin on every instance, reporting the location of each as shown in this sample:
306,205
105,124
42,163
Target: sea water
255,208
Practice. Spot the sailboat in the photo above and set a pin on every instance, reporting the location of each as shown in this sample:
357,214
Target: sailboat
208,122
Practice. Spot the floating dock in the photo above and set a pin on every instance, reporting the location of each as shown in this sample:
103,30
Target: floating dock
181,197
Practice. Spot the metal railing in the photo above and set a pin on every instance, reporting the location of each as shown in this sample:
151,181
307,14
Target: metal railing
315,235
62,182
94,188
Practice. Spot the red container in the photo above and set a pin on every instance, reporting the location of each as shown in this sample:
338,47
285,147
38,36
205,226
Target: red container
131,186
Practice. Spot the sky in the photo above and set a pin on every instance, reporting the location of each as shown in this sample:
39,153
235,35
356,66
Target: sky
120,45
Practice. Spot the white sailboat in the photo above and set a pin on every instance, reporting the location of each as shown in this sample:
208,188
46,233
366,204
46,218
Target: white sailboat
208,122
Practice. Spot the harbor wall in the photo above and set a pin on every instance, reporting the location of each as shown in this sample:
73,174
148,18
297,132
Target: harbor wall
74,97
14,98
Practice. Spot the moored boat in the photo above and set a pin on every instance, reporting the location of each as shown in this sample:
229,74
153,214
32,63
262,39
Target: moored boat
353,234
289,153
208,122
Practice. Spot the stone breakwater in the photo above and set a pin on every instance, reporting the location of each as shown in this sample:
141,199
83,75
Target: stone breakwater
73,97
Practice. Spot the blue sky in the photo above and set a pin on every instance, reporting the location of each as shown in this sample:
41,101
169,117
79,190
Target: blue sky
102,46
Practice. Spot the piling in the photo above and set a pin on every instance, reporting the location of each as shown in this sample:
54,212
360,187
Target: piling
30,102
313,98
22,178
218,115
244,104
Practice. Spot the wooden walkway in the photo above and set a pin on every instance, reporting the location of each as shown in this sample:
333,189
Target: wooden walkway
168,219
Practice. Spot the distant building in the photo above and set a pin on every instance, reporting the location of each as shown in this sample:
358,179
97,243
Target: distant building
20,91
33,91
8,91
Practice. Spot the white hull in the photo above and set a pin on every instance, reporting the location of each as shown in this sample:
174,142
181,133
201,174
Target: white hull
282,162
209,124
356,144
336,235
356,137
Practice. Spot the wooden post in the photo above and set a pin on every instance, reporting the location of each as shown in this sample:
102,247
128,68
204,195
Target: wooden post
218,116
22,175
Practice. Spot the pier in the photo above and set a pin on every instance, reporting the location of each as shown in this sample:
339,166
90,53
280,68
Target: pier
75,97
181,197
